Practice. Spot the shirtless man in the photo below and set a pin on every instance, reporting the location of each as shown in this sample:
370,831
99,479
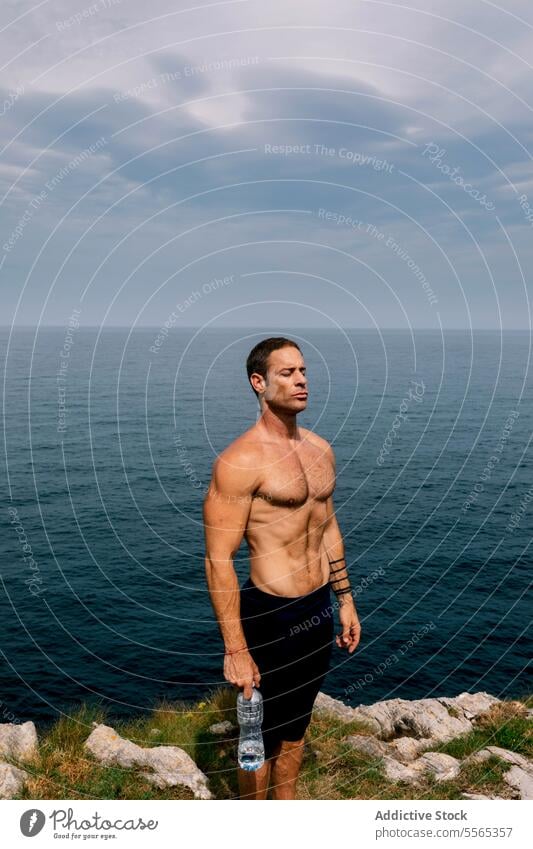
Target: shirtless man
273,486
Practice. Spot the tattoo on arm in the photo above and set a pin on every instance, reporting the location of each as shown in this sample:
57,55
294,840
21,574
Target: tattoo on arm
339,580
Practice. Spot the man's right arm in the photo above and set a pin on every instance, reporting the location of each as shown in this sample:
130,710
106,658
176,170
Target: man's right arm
226,510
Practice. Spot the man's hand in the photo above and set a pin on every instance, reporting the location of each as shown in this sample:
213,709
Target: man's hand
240,670
351,628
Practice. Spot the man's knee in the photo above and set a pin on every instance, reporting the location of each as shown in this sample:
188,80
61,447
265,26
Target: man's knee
286,768
287,751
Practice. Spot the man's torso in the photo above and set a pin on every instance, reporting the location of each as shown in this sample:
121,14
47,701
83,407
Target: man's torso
288,510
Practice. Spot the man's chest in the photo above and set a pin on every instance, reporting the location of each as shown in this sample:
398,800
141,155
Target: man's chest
295,477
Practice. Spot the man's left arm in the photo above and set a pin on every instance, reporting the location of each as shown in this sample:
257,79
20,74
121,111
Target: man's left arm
339,580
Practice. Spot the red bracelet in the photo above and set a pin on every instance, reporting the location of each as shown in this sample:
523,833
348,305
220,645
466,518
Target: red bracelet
236,650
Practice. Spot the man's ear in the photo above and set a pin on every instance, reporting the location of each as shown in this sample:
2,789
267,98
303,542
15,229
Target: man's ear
258,382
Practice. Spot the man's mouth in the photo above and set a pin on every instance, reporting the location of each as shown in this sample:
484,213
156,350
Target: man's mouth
300,395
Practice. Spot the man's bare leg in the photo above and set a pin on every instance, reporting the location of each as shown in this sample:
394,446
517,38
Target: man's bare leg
254,785
286,763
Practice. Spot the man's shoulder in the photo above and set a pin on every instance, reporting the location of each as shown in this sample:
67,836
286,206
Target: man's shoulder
244,451
248,449
235,471
315,439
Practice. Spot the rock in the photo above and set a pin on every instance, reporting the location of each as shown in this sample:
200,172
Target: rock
18,741
222,728
11,780
470,705
404,749
338,710
421,718
407,749
519,777
396,771
443,767
154,732
477,757
110,748
171,764
512,758
368,745
333,707
479,796
520,780
404,729
505,755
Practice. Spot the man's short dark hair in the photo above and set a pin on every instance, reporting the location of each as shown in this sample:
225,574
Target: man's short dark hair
258,357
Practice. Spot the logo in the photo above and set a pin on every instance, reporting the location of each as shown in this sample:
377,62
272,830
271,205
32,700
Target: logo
32,822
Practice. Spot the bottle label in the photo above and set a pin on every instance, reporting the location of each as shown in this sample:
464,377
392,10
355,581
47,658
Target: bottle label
250,716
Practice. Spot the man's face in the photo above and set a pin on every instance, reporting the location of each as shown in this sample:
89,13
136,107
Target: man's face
286,383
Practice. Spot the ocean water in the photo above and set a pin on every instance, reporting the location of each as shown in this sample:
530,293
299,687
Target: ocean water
114,605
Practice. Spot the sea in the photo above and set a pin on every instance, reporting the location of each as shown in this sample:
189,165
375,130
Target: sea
109,437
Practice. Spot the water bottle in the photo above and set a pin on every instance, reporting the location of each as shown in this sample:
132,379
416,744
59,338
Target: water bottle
251,752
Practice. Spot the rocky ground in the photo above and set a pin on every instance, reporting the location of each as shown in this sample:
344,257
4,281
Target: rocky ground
402,732
396,737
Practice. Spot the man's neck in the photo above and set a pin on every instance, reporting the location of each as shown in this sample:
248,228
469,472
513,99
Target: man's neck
280,425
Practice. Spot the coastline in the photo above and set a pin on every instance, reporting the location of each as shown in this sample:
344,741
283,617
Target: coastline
473,746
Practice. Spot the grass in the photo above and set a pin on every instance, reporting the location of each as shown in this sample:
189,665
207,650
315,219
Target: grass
504,725
331,769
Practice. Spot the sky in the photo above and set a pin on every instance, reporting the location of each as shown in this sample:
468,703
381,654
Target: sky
356,163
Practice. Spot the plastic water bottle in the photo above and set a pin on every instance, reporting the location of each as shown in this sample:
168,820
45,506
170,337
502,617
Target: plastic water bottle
251,752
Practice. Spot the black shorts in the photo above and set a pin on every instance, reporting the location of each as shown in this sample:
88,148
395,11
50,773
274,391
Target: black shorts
290,639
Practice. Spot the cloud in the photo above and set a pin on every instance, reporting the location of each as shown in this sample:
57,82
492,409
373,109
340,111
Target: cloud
192,102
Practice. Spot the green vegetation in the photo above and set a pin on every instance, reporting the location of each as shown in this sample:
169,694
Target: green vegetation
330,770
